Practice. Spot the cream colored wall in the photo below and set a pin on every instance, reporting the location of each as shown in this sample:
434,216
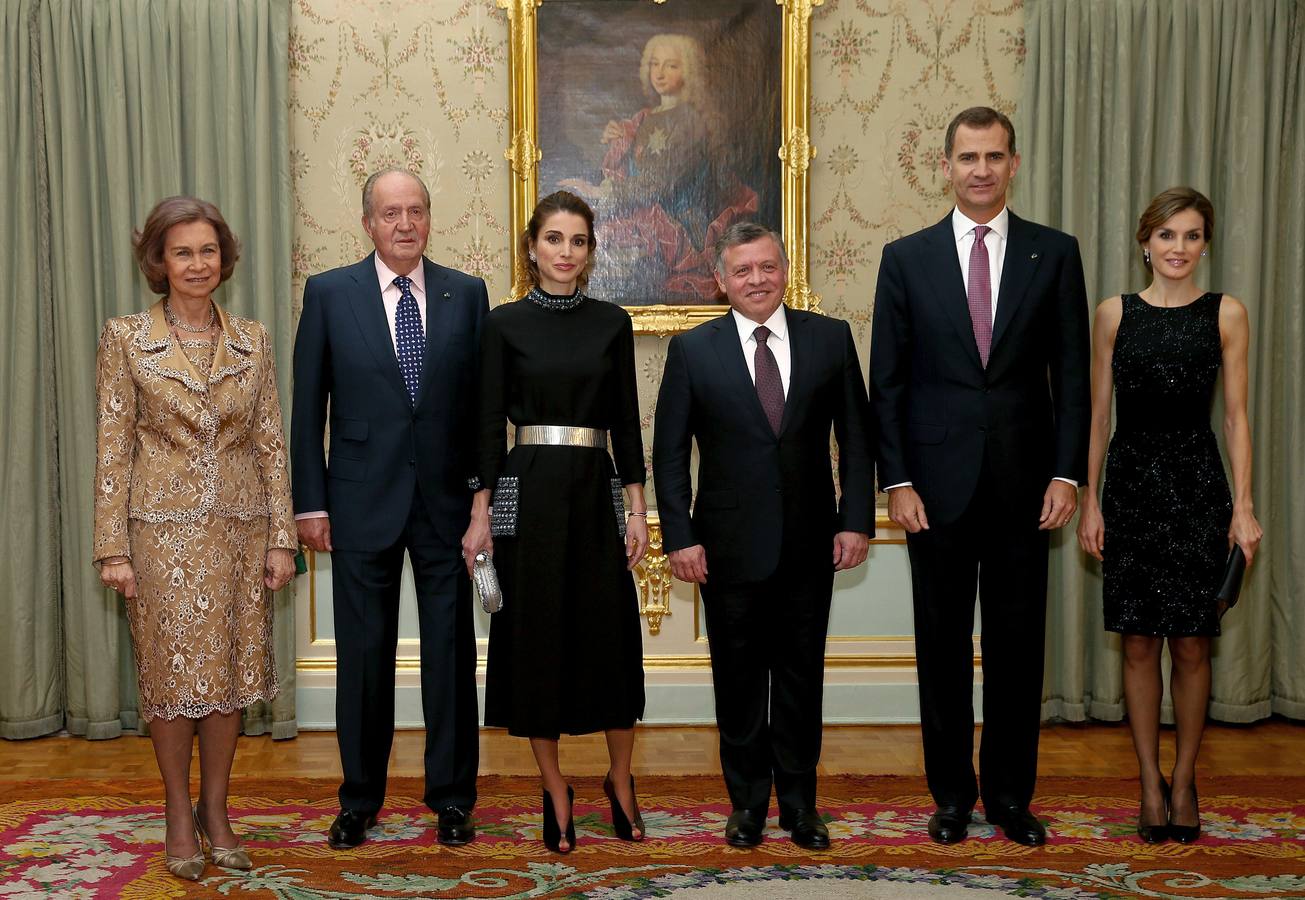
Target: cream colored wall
424,84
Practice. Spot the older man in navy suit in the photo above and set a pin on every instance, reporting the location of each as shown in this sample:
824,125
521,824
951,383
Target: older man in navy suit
387,354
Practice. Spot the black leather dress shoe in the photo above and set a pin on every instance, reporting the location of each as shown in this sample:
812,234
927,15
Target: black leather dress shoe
744,828
806,828
350,829
1018,824
455,827
948,825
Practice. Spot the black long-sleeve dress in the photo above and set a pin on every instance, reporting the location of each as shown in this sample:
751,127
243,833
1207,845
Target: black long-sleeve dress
565,652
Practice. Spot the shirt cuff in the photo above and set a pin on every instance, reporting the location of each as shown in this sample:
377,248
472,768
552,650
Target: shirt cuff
899,484
1069,481
315,514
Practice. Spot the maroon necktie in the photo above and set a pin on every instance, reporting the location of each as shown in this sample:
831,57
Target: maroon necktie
979,294
770,389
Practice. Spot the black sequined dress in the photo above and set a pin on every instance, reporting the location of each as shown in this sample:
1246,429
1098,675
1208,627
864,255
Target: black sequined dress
1166,501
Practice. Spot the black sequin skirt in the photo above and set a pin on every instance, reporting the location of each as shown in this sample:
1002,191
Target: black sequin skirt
1167,508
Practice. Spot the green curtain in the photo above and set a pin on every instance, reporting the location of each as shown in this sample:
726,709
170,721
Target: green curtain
135,100
31,682
1122,99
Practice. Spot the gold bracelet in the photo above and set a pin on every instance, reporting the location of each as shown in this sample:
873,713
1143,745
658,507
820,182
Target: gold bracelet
644,514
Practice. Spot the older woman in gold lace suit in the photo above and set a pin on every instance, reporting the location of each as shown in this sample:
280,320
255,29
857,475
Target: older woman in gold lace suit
193,522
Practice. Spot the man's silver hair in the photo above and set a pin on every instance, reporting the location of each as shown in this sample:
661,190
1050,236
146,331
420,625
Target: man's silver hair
378,175
745,233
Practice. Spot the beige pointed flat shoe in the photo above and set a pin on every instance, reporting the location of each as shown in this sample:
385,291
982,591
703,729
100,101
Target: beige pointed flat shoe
226,857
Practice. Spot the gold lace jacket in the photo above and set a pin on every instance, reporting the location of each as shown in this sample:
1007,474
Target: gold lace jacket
173,445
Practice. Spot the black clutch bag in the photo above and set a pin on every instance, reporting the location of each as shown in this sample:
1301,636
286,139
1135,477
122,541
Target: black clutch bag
1232,579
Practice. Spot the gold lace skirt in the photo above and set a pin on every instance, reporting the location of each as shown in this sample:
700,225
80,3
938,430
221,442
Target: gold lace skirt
201,622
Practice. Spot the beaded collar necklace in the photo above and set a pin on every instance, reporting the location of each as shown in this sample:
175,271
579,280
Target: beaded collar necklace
551,301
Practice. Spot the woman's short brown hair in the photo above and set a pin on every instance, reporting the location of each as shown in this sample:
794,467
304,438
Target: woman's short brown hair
556,202
148,243
1167,204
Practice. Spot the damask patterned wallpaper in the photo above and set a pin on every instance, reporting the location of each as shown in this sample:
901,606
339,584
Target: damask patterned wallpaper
423,83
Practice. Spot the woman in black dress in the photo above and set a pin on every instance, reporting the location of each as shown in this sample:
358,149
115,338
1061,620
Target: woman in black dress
565,652
1167,521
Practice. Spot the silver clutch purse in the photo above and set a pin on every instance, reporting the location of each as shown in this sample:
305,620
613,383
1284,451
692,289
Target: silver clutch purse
484,582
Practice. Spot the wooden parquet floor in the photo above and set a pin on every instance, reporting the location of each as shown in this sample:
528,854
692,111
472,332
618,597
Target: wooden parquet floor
1275,747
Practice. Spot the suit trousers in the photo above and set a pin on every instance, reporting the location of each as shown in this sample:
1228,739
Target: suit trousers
995,546
366,604
767,642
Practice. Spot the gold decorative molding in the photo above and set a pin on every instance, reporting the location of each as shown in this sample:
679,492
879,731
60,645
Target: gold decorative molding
523,124
687,662
653,578
797,151
795,156
669,662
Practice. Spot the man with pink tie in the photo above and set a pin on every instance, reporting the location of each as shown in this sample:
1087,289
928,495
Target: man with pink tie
979,381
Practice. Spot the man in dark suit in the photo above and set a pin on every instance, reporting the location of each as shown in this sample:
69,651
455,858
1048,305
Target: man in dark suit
387,353
979,380
760,388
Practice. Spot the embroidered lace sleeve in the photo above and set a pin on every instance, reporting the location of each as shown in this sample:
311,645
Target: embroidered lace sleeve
269,439
115,442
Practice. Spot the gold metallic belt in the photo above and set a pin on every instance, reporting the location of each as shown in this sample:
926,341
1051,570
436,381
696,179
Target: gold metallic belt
562,436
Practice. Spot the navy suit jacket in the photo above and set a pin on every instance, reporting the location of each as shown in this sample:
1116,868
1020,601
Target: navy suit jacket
759,493
382,444
940,413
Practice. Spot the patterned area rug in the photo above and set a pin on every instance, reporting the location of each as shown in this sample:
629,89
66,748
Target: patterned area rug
104,839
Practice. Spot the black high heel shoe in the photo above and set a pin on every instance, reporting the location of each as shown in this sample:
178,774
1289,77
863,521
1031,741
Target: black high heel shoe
623,827
1186,834
1156,834
552,831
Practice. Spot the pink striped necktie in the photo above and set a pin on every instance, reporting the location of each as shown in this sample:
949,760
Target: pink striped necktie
979,294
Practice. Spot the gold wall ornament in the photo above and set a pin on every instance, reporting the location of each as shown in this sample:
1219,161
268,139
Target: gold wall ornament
523,155
653,578
664,319
797,150
667,320
798,295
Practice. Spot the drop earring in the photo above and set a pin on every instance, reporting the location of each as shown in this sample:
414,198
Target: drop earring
1146,256
1205,252
532,256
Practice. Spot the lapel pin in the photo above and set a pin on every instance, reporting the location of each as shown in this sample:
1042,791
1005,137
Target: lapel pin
1031,256
448,296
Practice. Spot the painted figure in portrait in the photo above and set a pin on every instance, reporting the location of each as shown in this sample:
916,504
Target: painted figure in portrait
671,169
667,197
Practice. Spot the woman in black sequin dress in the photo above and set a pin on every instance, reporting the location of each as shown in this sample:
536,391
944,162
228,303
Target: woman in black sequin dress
1166,521
565,652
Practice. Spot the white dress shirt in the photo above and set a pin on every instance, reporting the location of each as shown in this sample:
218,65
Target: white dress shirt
995,243
777,342
390,295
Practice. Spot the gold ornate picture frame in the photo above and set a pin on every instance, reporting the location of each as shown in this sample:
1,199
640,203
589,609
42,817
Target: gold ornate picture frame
794,150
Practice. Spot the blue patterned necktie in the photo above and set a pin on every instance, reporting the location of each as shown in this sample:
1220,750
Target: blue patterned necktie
410,340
